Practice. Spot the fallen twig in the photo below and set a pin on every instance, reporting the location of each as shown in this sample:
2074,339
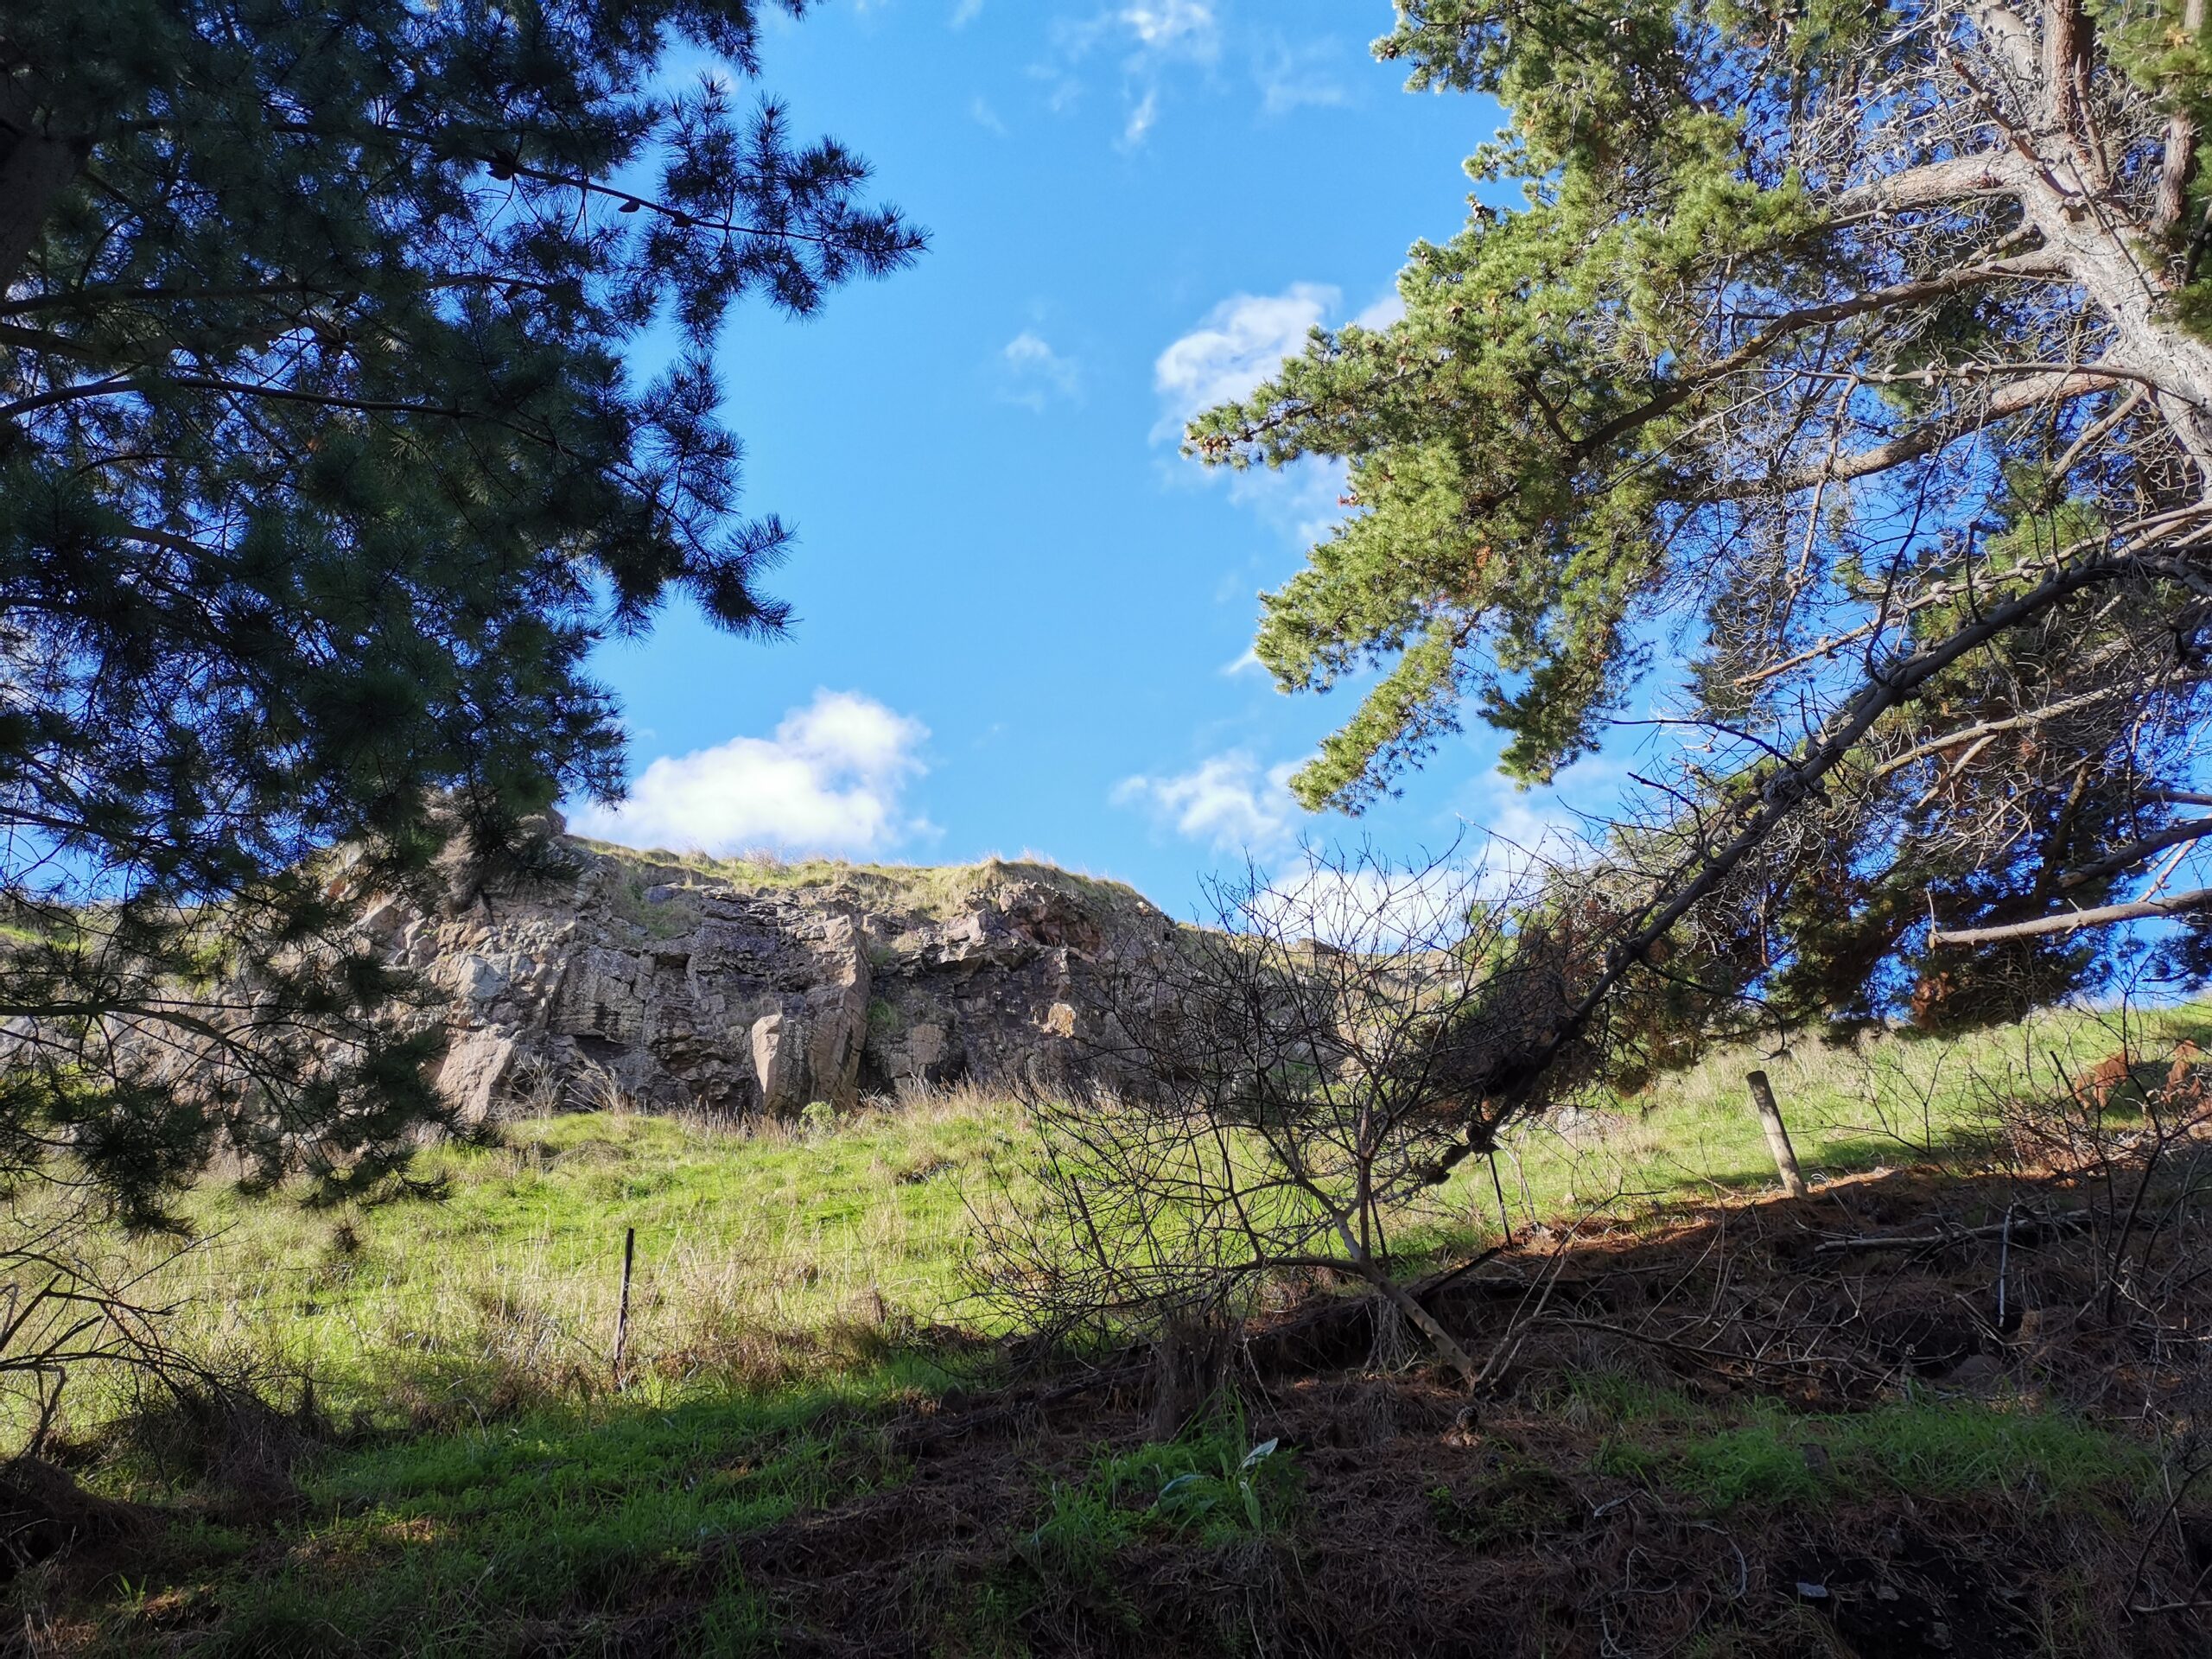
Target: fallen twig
2025,1231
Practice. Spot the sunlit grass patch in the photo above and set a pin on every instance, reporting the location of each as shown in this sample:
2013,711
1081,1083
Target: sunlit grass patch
1884,1099
2037,1457
769,1253
755,1249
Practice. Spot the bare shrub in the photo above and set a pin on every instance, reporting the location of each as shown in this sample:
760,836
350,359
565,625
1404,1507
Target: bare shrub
596,1088
1281,1094
67,1306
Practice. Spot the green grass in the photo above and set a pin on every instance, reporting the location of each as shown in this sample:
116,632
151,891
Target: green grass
753,1247
785,1284
1923,1445
442,1544
1887,1100
1210,1487
767,1254
1212,1481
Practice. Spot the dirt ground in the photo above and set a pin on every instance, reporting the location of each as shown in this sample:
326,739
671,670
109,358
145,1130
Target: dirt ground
1578,1503
1435,1523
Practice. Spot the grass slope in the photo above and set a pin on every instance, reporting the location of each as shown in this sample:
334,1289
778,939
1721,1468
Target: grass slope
757,1245
492,1494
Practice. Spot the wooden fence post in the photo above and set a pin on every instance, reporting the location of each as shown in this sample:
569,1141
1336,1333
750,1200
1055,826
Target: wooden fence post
1777,1135
622,1307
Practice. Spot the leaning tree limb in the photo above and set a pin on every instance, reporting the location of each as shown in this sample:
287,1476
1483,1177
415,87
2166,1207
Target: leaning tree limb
1788,786
2072,921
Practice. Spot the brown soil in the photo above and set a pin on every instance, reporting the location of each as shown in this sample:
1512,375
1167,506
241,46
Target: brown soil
1434,1525
43,1513
1429,1522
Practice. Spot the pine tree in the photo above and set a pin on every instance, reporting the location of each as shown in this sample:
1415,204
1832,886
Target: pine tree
323,465
1845,384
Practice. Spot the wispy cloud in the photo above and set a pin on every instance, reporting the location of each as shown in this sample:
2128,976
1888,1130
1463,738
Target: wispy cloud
832,779
1032,374
1149,40
1161,49
1140,120
966,13
1241,341
1298,77
1173,27
1229,801
985,117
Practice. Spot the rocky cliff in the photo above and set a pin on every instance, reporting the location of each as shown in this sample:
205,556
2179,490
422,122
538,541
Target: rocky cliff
747,986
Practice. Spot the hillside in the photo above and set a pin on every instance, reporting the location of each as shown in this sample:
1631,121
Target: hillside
1751,1423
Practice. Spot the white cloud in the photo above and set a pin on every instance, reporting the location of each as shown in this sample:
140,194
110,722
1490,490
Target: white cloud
966,13
1292,78
1241,341
1032,374
1183,26
830,780
1184,30
985,117
1249,663
1228,801
1153,32
1384,312
1519,833
1361,902
1152,38
1163,48
1140,120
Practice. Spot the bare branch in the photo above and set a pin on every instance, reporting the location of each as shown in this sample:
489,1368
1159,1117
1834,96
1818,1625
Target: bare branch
2175,904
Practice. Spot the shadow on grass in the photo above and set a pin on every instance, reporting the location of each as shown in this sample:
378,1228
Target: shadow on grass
530,1531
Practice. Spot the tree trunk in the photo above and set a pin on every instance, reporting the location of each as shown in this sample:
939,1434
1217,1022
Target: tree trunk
1443,1341
33,172
1777,1135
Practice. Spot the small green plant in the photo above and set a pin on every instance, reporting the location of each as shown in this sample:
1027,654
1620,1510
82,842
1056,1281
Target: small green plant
1210,1500
1211,1481
1521,1502
817,1121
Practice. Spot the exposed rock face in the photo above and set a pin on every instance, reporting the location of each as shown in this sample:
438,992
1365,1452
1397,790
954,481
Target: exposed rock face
741,989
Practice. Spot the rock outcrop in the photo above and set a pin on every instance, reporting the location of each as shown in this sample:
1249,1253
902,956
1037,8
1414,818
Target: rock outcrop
745,987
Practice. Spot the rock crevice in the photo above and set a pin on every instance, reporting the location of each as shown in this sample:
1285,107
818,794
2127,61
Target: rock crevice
749,988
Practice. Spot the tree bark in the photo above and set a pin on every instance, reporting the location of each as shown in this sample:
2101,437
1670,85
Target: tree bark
2178,165
2178,904
1777,1135
34,171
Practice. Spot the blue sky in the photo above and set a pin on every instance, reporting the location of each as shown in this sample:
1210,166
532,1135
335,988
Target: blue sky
1023,620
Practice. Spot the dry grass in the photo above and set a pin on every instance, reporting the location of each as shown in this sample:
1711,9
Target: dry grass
755,1485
